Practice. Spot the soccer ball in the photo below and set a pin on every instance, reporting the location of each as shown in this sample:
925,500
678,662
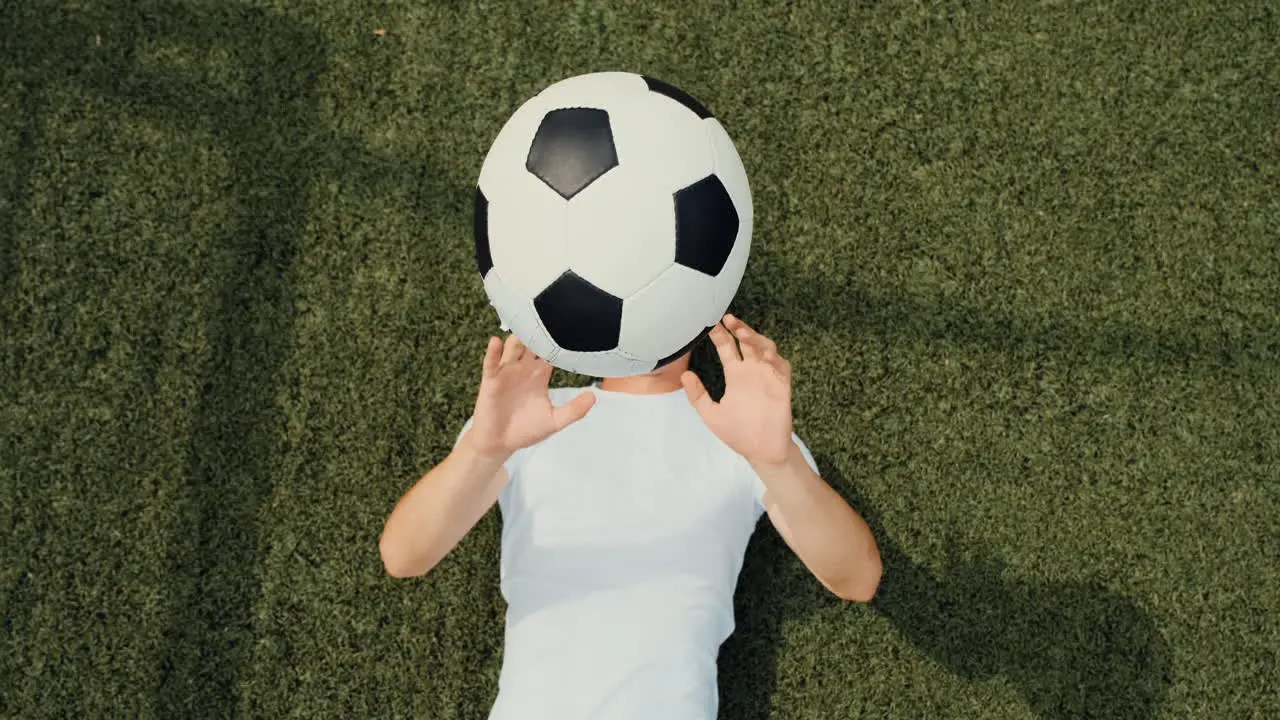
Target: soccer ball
612,223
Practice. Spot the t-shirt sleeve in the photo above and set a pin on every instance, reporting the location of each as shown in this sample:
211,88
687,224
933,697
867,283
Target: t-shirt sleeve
757,485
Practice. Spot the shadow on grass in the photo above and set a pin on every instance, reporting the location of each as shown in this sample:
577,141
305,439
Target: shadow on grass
769,591
250,333
17,599
265,130
269,132
796,300
1072,650
21,162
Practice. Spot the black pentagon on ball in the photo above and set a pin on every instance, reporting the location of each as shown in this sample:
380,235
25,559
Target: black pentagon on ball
706,225
673,356
572,148
484,259
578,315
680,96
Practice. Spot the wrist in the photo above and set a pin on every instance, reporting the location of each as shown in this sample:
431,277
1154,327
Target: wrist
471,450
775,461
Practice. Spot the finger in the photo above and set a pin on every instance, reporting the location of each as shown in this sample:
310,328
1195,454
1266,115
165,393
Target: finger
733,322
512,350
750,350
541,368
743,333
770,354
726,346
573,411
781,367
766,344
528,358
697,393
492,354
760,344
777,362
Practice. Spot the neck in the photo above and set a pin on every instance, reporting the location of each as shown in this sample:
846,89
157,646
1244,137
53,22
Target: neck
663,380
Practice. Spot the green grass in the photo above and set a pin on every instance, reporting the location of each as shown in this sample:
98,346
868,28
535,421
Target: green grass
1024,258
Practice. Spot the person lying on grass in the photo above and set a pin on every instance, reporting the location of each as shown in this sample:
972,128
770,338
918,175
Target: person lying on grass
627,506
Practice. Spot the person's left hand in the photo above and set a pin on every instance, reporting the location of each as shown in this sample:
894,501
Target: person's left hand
754,415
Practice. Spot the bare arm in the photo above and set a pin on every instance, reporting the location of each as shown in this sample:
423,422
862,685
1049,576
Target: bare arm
754,418
440,509
830,538
513,411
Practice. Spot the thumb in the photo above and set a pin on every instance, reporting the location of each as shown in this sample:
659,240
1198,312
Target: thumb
697,392
573,411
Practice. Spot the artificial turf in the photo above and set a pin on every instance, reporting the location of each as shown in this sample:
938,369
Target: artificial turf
1023,256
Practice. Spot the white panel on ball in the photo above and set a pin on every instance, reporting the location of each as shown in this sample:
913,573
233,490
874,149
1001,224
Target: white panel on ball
621,232
660,142
535,337
506,302
657,320
510,148
729,167
527,232
733,175
603,87
516,314
602,364
730,277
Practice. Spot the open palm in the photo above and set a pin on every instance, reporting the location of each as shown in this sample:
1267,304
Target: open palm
513,407
754,415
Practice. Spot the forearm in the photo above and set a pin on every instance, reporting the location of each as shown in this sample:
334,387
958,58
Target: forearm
832,540
439,510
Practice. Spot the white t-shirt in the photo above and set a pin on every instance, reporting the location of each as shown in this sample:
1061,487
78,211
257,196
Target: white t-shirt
622,539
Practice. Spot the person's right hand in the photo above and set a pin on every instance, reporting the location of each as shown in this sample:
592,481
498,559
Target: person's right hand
513,407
